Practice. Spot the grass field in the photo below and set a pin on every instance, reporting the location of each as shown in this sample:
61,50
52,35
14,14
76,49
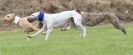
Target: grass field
100,40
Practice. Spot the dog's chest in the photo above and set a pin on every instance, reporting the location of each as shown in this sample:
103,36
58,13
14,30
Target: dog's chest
23,23
58,19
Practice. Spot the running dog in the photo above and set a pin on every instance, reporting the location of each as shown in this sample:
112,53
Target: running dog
20,22
92,19
57,19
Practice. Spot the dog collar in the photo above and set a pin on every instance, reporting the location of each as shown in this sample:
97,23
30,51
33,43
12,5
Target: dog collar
41,16
16,20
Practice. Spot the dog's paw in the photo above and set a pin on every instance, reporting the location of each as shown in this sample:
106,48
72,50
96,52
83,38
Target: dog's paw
29,36
44,33
28,39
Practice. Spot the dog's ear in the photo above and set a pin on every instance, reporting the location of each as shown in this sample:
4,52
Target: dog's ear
78,11
14,14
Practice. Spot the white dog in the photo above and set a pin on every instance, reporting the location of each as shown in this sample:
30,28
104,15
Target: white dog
58,19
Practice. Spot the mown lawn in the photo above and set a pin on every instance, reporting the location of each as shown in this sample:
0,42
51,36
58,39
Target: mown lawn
100,40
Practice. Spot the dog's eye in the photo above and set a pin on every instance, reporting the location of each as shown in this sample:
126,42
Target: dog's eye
4,20
7,16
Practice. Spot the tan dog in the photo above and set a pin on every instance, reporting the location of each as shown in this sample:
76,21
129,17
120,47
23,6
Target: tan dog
20,22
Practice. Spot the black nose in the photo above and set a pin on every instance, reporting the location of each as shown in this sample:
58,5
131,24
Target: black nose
30,20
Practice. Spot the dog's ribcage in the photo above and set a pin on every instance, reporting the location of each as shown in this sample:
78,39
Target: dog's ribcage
58,19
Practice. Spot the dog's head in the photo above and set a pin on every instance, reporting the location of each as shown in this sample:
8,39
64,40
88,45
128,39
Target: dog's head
33,17
8,18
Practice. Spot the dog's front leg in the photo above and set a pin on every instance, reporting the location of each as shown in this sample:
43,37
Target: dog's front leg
45,29
27,33
39,31
49,30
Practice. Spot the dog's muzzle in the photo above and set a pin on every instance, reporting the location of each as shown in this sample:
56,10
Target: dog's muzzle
30,20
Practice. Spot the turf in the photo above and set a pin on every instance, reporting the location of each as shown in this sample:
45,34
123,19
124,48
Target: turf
100,40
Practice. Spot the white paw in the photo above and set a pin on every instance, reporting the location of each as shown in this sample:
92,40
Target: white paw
28,39
46,38
30,36
44,33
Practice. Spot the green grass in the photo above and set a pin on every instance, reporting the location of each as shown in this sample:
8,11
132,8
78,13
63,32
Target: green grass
100,40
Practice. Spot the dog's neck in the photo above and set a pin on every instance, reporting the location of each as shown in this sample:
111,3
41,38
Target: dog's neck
16,20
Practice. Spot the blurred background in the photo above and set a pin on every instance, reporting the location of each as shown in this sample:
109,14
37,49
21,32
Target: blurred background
27,7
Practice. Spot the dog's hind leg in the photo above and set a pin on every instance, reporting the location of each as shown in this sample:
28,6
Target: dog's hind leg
82,30
121,28
115,22
80,27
